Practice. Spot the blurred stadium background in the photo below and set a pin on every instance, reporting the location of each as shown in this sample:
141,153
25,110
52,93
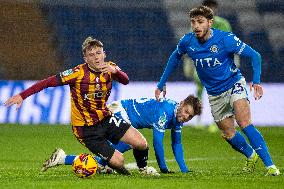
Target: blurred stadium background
42,37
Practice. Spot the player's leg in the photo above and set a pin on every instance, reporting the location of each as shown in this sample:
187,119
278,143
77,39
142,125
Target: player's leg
119,130
243,118
94,138
139,144
120,146
234,137
223,116
58,157
140,150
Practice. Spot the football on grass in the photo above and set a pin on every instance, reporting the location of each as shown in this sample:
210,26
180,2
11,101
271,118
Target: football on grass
85,165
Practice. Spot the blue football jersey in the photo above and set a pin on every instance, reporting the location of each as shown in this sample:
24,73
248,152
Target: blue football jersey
149,113
213,59
158,116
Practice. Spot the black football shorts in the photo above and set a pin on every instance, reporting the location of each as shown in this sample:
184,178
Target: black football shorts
97,138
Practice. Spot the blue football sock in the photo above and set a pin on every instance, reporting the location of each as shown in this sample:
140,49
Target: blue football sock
69,159
239,143
101,161
258,144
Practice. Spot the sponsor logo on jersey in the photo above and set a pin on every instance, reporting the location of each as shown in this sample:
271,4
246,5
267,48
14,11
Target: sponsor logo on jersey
67,73
97,94
209,62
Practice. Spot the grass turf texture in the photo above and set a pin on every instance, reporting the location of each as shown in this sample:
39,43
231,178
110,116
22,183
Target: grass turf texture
212,162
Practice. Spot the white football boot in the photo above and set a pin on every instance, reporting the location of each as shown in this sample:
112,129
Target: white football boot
149,171
56,158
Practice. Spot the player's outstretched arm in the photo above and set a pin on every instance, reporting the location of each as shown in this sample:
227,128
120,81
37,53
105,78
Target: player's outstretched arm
171,66
19,98
178,150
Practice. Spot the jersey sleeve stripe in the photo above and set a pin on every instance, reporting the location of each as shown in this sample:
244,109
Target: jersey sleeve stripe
241,49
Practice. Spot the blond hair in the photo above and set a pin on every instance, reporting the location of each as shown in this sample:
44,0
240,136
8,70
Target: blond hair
89,43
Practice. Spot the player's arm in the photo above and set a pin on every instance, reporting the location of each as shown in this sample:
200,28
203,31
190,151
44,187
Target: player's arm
63,78
256,65
121,77
117,73
235,45
158,138
178,150
172,64
52,81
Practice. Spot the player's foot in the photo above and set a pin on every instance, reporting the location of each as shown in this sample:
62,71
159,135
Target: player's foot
272,171
56,158
250,163
149,171
105,169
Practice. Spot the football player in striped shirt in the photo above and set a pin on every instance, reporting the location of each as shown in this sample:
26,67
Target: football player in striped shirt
92,122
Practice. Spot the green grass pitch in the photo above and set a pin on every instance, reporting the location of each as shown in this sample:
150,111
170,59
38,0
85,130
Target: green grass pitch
213,163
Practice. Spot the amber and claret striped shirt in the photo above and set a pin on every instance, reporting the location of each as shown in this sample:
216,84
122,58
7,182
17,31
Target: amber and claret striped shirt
89,92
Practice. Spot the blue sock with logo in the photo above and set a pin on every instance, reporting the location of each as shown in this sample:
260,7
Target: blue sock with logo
258,144
239,143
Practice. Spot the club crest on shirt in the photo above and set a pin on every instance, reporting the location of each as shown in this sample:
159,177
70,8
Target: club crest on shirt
162,121
98,87
214,49
67,73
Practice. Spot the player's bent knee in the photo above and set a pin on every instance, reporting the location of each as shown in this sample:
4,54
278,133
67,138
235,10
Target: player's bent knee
243,123
141,144
117,159
228,134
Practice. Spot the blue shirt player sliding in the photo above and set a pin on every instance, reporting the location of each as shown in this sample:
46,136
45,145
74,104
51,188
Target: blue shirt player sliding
148,113
212,51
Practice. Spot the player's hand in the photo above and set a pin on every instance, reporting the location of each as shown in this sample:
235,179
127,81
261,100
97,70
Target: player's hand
158,92
104,68
17,99
257,91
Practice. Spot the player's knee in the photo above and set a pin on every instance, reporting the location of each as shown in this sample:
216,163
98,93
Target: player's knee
228,133
141,144
243,123
117,160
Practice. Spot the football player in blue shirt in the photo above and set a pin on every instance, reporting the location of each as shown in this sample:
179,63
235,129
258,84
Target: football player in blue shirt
148,113
212,52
